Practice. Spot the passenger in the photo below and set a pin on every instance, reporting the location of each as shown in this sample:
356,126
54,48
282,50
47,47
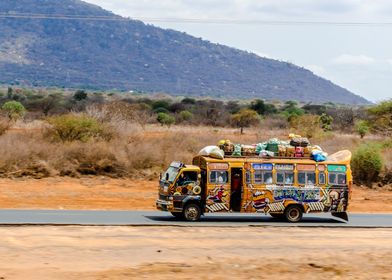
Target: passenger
268,180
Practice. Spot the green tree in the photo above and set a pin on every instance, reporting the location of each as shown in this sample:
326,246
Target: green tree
165,119
366,164
362,127
80,95
73,127
326,122
291,110
245,118
185,115
262,108
14,110
381,117
10,92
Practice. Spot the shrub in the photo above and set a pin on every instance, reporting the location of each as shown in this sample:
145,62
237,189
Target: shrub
362,127
165,119
245,118
307,125
366,164
72,127
185,116
14,109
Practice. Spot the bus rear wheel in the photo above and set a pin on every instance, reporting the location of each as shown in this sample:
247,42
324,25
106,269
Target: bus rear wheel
293,213
192,212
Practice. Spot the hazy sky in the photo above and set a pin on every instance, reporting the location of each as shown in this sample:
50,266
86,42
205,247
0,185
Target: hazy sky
357,57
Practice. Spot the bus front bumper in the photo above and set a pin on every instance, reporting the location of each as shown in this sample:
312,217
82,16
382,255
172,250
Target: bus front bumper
164,205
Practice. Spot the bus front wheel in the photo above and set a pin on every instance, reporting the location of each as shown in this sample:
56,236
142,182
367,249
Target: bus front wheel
293,213
192,212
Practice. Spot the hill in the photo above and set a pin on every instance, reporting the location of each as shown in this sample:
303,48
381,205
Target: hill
130,55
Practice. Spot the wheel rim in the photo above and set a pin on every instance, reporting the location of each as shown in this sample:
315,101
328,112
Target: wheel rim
191,213
294,214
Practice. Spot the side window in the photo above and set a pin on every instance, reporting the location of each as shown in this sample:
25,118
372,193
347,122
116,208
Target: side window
301,178
218,177
289,178
280,177
261,177
321,178
268,178
311,178
342,179
332,179
258,177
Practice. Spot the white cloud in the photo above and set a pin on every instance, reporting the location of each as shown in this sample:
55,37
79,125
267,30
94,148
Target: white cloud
358,60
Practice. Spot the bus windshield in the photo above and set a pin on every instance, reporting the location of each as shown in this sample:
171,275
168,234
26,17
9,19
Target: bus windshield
172,171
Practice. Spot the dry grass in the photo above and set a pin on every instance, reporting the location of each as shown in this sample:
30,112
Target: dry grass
135,152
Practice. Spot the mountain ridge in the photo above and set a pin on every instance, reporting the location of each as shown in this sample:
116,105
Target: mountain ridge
131,55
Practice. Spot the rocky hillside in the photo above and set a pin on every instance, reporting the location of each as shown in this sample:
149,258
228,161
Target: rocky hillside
130,55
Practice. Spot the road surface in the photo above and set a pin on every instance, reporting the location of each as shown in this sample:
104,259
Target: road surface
156,218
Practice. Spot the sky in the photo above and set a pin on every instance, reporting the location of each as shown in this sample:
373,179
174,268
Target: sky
355,56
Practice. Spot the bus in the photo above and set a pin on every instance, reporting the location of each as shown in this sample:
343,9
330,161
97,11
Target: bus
285,188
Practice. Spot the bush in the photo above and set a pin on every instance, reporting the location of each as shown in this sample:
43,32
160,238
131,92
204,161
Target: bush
362,127
307,126
366,164
14,110
245,118
165,119
72,127
185,116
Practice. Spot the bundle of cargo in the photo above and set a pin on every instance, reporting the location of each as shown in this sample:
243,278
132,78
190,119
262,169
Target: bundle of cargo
296,147
248,150
299,142
212,151
226,146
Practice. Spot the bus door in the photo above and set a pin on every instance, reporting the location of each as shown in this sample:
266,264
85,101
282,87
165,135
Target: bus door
236,188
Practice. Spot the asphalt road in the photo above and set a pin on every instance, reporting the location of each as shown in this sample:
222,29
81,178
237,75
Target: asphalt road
156,218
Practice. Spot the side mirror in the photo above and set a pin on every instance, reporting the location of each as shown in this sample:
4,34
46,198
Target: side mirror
167,177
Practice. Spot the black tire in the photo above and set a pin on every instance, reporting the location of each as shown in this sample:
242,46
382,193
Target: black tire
277,215
293,213
178,215
192,212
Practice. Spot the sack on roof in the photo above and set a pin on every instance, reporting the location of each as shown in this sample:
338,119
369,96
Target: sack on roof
212,151
299,142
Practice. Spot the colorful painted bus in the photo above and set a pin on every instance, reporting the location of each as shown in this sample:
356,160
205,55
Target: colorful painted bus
285,188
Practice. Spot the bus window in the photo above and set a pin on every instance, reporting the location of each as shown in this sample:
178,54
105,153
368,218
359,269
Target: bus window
306,178
218,177
280,177
341,179
268,178
332,179
258,179
310,178
321,178
261,177
289,180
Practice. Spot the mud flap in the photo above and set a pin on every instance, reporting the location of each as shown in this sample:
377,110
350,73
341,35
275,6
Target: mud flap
341,215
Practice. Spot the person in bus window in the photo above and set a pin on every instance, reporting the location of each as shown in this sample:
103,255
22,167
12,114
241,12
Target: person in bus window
268,178
289,178
341,179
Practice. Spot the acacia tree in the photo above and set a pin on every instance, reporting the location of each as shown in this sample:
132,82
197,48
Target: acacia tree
14,110
245,118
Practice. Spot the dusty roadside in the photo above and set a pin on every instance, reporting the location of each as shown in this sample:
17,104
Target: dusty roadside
125,194
189,253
